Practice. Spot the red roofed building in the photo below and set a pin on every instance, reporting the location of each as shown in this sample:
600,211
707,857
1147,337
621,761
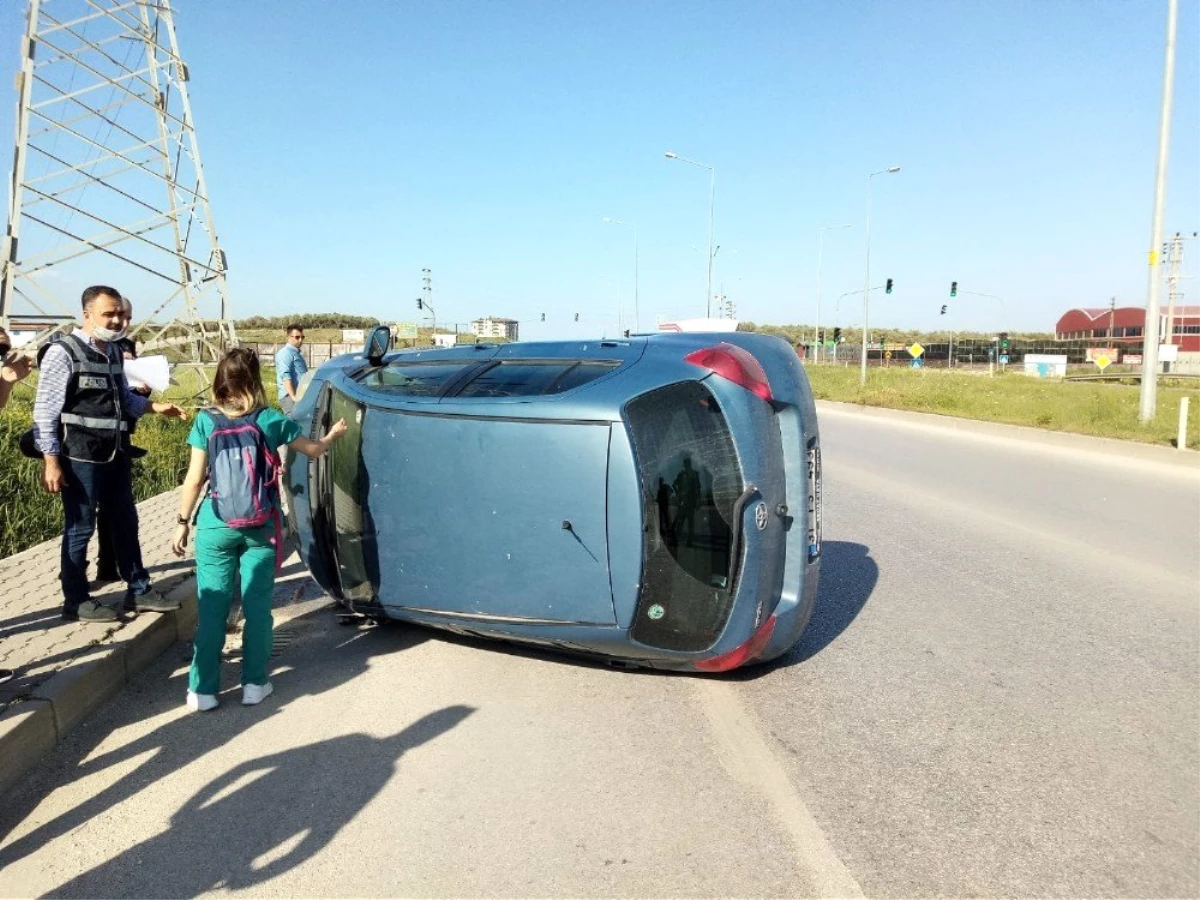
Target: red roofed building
1123,326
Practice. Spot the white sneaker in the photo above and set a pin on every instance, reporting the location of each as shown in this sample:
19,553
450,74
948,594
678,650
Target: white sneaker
201,702
255,693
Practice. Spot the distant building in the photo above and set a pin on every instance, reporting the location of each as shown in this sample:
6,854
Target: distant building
1123,326
495,327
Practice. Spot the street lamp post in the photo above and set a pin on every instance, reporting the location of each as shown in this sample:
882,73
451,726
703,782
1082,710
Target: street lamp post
1000,300
820,253
867,272
712,192
637,325
1148,398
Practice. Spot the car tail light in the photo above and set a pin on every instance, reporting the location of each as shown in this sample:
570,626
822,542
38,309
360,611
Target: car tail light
742,654
736,365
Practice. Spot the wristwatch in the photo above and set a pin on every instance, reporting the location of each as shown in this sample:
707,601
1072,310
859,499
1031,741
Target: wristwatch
182,520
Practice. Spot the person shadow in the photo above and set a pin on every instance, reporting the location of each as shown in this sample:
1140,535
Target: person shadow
268,814
184,737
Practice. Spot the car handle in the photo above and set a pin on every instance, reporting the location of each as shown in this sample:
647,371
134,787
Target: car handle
735,540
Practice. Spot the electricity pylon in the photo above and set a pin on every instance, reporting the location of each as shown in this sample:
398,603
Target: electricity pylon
107,185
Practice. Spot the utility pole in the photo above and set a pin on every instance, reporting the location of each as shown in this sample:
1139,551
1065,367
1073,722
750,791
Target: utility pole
1174,253
1112,313
427,296
107,177
1150,339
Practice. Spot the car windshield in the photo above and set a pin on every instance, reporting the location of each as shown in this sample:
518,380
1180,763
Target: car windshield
522,378
413,379
690,479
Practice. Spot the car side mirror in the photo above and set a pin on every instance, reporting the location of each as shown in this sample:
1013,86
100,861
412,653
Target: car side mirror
379,341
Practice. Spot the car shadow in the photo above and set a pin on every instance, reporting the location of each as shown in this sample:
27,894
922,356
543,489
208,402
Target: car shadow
848,577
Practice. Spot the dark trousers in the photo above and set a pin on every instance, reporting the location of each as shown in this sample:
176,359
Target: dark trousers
106,560
87,486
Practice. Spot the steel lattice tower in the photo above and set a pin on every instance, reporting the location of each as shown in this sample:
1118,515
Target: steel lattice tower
107,185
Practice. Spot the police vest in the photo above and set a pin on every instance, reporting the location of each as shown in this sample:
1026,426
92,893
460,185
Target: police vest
92,426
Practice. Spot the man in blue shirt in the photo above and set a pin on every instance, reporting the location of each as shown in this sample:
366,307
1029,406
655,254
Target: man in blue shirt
289,366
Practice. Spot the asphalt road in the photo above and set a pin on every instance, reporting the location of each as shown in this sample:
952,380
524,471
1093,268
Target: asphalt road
997,697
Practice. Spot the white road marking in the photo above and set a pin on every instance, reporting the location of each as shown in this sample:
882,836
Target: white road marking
746,756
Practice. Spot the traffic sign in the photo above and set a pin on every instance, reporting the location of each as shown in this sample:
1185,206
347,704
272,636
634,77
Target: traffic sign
916,350
1004,359
1103,362
888,355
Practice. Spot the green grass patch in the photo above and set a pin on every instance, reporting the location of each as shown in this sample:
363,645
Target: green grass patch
1100,409
28,515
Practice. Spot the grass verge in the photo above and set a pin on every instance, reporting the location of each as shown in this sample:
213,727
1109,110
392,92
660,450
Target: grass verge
1102,410
28,515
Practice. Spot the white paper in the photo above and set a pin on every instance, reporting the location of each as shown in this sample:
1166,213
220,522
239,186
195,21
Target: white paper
148,371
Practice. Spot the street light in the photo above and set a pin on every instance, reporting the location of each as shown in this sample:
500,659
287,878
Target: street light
867,272
712,188
820,252
637,326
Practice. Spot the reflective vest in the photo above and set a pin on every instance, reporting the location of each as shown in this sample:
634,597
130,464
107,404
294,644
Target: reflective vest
92,426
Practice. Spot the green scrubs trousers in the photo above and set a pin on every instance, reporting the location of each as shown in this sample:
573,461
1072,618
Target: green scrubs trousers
221,554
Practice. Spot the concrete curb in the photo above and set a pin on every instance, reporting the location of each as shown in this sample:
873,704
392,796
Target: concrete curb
31,729
1186,460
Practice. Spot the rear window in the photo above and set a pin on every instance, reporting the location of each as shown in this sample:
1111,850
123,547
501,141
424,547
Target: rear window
413,379
521,378
690,480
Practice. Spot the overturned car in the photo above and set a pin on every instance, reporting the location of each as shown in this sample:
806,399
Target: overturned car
653,501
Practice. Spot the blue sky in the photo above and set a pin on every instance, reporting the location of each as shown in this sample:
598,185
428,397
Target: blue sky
349,145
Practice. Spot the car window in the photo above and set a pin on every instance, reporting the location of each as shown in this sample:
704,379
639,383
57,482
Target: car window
690,481
522,378
413,379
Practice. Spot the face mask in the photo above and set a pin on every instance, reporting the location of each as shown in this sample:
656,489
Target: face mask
107,334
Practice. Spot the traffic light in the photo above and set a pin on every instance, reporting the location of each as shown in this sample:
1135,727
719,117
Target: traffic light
944,309
543,317
954,289
576,317
420,303
887,288
837,335
1004,342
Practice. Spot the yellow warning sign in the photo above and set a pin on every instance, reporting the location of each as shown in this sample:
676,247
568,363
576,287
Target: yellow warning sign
1103,362
916,350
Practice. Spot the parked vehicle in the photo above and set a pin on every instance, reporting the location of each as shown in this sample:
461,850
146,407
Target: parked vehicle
654,500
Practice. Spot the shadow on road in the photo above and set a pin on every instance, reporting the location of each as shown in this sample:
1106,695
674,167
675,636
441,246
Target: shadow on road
848,577
183,738
266,816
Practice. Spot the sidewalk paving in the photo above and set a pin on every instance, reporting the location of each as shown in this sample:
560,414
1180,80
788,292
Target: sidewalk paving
65,670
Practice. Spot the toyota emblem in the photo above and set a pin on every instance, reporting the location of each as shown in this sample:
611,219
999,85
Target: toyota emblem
760,515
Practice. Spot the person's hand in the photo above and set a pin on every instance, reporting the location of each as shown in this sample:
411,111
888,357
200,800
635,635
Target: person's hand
16,368
52,474
179,541
338,429
142,391
170,410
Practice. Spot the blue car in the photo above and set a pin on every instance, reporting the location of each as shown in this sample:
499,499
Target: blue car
652,501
